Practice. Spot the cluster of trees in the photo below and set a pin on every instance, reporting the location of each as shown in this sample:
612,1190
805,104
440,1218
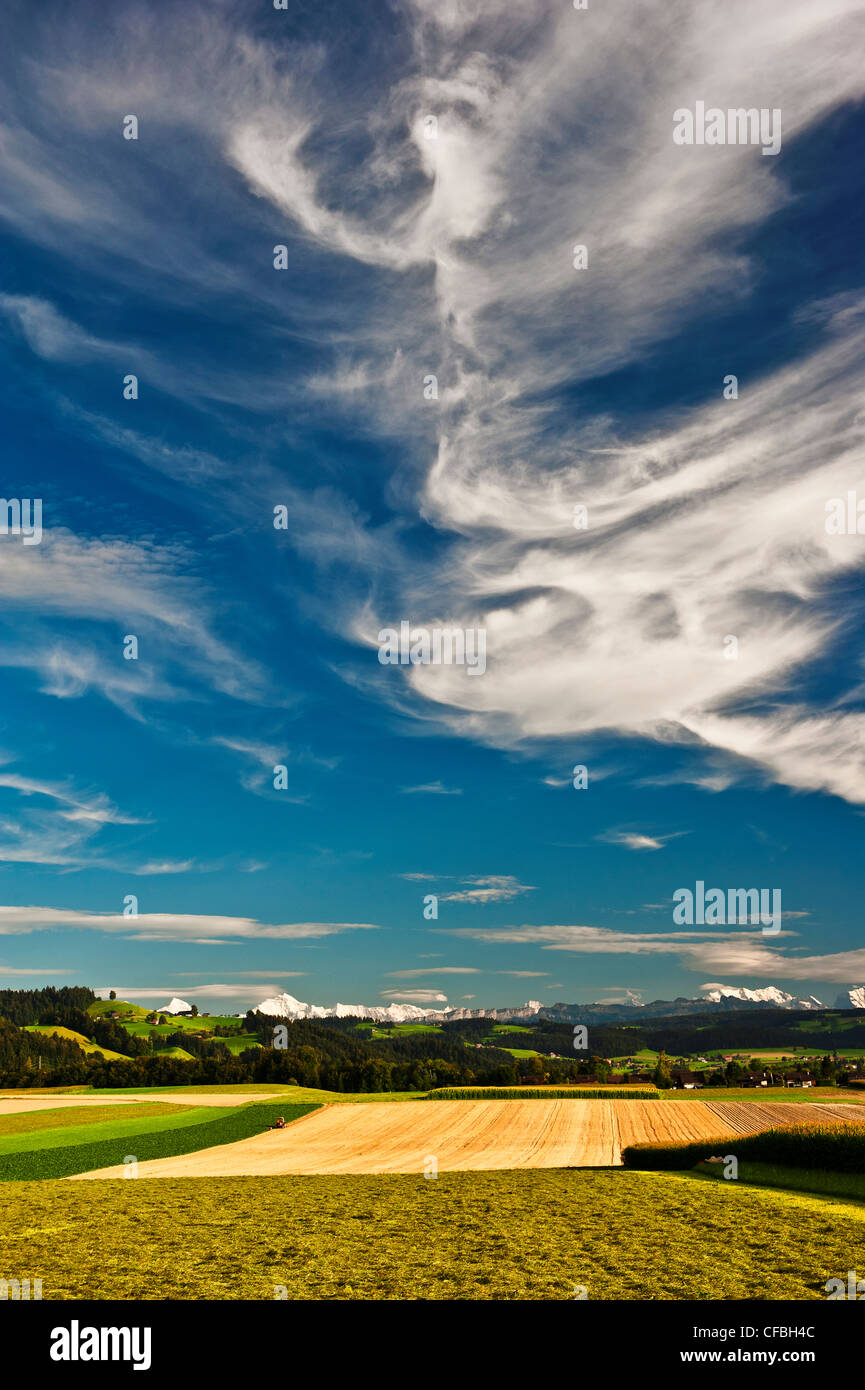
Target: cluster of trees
24,1007
759,1028
21,1053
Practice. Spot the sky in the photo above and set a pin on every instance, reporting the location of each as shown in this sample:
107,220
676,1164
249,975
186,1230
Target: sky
309,349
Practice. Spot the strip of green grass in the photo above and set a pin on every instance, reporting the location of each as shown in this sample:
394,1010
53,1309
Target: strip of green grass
237,1045
31,1121
843,1185
836,1095
838,1148
238,1123
545,1093
115,1128
505,1236
301,1094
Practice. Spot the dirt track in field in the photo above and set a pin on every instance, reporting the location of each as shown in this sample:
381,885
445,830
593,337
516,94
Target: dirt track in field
476,1134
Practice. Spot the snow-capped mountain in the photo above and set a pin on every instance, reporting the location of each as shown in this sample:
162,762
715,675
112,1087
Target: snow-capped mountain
176,1006
852,998
531,1009
721,999
286,1006
770,995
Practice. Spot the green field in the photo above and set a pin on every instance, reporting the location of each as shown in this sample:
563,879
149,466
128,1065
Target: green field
303,1095
829,1023
544,1093
519,1235
133,1018
396,1030
119,1006
135,1013
812,1094
29,1121
140,1028
177,1024
124,1121
846,1186
58,1153
774,1054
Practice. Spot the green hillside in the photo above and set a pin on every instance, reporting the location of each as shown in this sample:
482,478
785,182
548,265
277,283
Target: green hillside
84,1043
119,1006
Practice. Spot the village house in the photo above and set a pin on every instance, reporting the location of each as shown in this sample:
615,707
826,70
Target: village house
684,1080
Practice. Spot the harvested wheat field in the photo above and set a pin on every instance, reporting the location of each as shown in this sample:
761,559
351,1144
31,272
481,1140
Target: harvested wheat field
746,1117
482,1134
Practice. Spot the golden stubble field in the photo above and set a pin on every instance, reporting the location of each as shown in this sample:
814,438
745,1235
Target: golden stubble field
478,1134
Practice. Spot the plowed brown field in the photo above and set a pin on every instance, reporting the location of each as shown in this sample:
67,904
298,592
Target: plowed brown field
475,1134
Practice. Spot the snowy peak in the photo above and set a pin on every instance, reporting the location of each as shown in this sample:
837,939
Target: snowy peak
852,998
176,1006
770,995
286,1006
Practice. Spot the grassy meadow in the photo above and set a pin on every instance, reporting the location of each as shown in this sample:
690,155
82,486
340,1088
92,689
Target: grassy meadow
511,1235
848,1186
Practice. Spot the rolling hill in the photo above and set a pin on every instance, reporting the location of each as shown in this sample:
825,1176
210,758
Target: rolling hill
84,1043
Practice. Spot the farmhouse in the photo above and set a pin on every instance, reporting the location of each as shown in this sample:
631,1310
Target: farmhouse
686,1080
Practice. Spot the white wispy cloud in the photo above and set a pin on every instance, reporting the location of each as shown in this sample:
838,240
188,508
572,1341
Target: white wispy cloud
433,970
698,528
488,888
212,991
21,970
702,524
435,788
416,996
168,926
632,839
121,587
743,954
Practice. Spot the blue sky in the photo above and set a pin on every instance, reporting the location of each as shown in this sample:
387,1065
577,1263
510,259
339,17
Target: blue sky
429,168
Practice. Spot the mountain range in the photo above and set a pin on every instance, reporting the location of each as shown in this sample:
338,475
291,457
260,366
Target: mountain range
720,999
